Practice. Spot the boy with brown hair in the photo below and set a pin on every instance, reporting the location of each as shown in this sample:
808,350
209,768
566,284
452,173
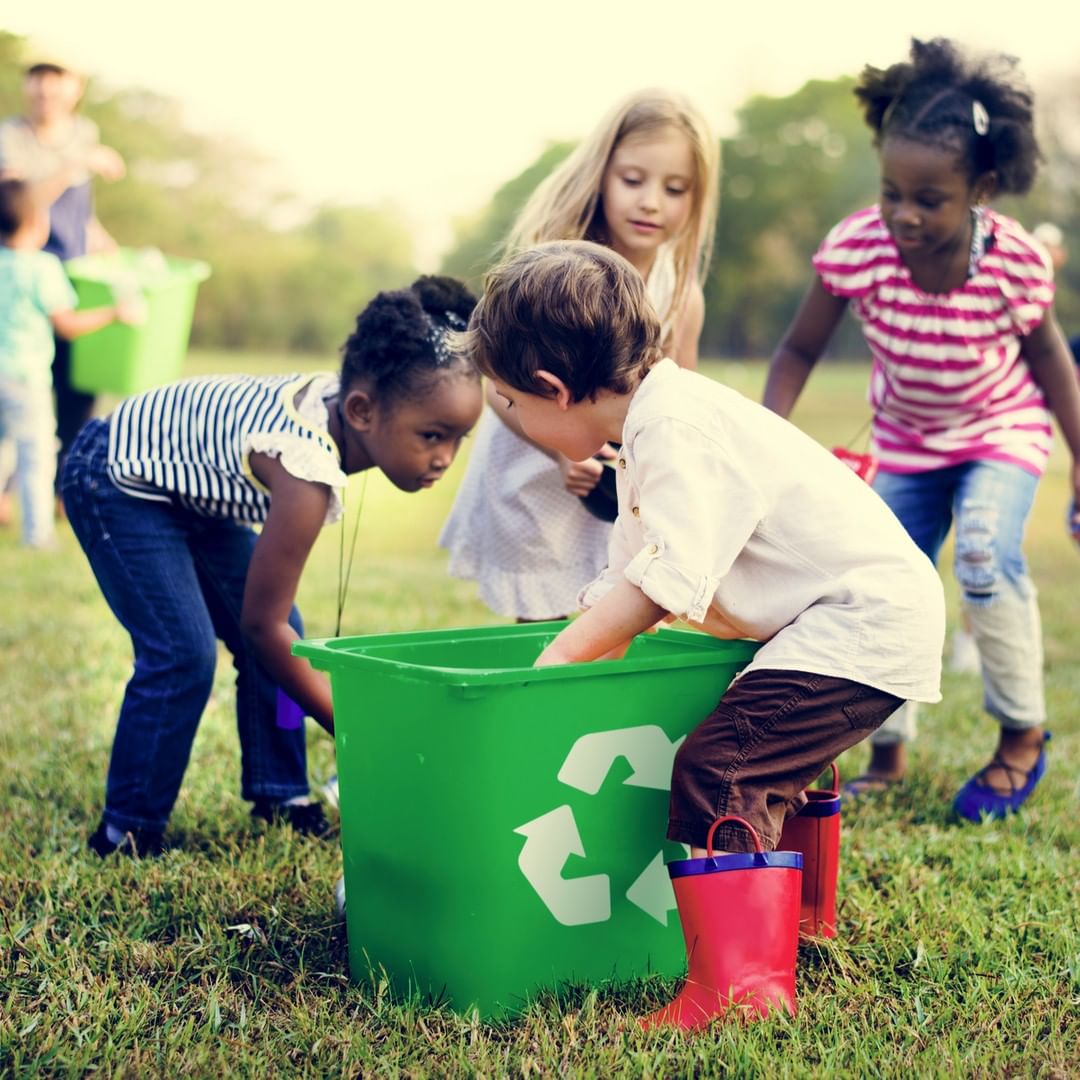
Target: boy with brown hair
729,518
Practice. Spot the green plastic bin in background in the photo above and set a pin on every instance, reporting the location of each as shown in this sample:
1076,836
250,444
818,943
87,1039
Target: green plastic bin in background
502,826
121,359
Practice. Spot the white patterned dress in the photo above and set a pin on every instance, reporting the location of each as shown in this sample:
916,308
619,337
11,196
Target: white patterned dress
514,529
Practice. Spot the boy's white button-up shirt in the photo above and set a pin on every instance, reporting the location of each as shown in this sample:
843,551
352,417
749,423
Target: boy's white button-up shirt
733,519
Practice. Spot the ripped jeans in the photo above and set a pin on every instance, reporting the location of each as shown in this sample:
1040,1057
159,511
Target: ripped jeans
988,502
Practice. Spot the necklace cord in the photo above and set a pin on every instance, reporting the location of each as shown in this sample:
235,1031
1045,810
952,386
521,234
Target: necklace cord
345,571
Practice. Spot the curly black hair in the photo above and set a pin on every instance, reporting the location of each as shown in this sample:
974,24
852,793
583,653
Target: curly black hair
982,109
398,347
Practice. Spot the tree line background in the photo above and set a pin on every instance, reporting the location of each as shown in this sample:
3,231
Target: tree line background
286,279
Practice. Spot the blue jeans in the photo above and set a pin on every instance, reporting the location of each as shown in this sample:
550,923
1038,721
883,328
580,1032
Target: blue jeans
175,580
26,418
988,502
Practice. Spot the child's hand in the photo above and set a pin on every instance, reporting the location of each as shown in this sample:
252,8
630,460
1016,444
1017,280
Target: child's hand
131,310
580,477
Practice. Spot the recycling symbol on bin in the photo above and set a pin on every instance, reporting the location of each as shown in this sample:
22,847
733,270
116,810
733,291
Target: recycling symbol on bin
553,837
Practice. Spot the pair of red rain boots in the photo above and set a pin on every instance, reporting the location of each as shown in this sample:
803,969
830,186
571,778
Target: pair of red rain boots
742,916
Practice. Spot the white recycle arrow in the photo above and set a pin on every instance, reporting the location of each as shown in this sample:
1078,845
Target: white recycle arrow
647,748
652,891
549,841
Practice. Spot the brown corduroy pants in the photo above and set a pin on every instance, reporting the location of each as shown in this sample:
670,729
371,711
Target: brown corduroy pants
771,735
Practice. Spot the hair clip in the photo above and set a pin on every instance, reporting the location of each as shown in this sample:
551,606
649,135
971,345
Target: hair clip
980,118
887,113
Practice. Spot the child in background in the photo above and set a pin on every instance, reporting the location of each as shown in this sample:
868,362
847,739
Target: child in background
969,364
731,519
36,301
163,495
644,183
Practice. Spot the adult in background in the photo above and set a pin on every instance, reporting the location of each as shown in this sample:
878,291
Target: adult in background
1053,239
57,153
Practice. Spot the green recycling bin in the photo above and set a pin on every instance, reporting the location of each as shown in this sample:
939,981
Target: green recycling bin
121,359
503,826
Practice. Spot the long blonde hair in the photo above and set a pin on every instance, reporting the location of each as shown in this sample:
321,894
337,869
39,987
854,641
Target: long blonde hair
566,205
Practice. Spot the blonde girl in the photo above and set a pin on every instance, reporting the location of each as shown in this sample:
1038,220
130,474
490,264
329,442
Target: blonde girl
644,183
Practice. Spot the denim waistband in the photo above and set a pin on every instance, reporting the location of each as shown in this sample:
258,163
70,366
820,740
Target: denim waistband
93,438
89,453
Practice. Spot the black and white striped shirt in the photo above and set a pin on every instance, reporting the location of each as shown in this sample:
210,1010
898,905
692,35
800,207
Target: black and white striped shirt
189,442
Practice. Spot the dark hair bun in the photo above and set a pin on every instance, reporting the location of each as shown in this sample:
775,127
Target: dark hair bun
392,346
438,295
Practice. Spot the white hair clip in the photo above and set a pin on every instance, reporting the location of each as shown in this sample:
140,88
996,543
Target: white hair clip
980,117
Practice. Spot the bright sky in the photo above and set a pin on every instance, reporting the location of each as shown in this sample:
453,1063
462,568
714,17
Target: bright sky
432,105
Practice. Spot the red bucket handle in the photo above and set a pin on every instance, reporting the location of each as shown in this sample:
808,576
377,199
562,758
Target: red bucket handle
731,817
835,789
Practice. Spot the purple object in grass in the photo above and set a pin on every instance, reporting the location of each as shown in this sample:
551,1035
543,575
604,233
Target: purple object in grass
289,715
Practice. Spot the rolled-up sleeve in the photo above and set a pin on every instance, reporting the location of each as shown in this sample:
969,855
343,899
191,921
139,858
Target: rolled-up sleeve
696,508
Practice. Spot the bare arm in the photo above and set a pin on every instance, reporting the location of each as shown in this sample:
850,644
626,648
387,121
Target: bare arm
1050,361
46,192
73,324
297,512
802,345
686,334
101,160
606,629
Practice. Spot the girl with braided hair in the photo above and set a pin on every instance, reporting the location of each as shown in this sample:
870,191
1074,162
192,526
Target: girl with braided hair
162,496
969,364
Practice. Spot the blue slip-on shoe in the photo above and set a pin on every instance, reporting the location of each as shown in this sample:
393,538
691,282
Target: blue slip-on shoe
976,800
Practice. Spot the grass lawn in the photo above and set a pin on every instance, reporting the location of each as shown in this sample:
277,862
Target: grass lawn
959,946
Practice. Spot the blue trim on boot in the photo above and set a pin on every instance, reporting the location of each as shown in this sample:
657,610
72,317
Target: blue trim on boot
976,800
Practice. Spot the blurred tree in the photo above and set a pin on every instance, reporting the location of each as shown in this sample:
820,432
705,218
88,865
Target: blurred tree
795,166
1056,195
479,239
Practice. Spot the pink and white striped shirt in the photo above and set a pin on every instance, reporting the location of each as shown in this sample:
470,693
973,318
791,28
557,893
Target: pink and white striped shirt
949,384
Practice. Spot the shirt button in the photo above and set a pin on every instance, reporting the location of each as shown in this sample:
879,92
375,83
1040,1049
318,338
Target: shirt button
653,549
622,463
636,511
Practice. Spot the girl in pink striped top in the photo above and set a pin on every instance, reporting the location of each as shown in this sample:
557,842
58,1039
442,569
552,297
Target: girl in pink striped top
955,302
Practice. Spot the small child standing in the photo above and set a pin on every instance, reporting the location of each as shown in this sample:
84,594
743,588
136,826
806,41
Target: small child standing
729,518
163,496
955,302
36,300
644,183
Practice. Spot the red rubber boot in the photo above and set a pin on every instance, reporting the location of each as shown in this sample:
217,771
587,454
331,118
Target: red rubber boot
815,832
740,919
